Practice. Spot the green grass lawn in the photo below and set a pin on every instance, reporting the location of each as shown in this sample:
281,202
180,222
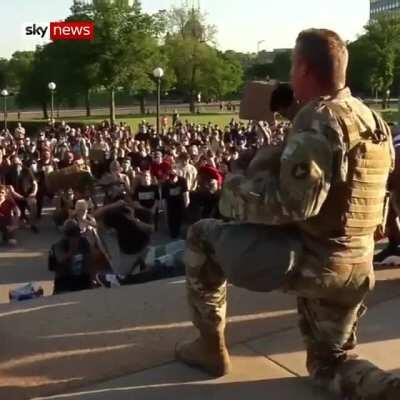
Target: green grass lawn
134,121
390,114
221,119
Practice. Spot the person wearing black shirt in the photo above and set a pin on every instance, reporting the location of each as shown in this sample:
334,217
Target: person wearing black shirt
176,195
175,117
45,166
24,187
146,198
69,259
140,159
143,134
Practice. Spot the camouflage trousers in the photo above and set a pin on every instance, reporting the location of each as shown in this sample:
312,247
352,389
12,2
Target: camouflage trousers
262,258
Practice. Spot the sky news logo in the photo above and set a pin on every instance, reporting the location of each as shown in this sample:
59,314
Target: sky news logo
60,31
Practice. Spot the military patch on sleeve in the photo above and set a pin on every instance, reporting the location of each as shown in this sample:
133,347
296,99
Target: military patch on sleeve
301,171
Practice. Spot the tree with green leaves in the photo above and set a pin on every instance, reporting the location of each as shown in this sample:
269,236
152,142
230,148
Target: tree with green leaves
34,87
4,71
70,64
19,67
125,46
383,35
281,66
197,65
360,74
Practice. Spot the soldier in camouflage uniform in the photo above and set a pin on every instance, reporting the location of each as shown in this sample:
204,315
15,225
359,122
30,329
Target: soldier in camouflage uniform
307,230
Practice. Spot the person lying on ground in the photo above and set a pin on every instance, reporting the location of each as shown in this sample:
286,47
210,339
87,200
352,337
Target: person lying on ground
125,240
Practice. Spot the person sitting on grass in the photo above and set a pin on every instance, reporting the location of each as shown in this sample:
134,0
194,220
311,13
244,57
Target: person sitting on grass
9,216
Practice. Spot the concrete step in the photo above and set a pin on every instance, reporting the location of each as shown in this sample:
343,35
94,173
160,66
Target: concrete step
253,377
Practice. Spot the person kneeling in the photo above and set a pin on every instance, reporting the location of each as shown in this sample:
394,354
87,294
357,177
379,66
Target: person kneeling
69,258
9,215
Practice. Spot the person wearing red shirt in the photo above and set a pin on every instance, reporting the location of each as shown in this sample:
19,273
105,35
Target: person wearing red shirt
4,167
208,172
9,214
160,168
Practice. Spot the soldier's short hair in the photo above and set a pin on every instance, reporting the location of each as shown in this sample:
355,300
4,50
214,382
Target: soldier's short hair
326,53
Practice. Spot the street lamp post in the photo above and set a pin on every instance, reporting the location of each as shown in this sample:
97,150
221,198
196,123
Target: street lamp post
260,42
4,93
52,87
388,98
158,73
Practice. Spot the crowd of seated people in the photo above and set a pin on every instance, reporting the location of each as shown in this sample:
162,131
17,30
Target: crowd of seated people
138,177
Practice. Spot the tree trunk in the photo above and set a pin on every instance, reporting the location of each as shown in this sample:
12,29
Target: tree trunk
87,103
192,105
192,91
44,109
142,105
112,106
398,104
384,100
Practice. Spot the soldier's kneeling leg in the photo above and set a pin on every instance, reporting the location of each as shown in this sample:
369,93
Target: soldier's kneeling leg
330,331
252,256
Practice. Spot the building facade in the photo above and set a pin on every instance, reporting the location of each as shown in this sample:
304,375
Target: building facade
380,7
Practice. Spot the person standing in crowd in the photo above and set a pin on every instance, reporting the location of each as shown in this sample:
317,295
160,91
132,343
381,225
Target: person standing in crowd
4,167
176,195
390,255
67,161
188,171
146,200
175,118
9,215
45,166
116,184
310,229
126,169
160,168
19,131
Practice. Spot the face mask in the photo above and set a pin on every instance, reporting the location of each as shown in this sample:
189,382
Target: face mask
19,168
34,168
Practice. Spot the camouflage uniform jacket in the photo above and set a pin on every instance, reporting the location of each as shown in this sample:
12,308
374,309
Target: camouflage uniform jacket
314,161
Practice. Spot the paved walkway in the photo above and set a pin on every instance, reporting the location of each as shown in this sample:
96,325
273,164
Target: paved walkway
118,344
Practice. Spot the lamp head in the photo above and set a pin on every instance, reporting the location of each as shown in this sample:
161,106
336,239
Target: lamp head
158,73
